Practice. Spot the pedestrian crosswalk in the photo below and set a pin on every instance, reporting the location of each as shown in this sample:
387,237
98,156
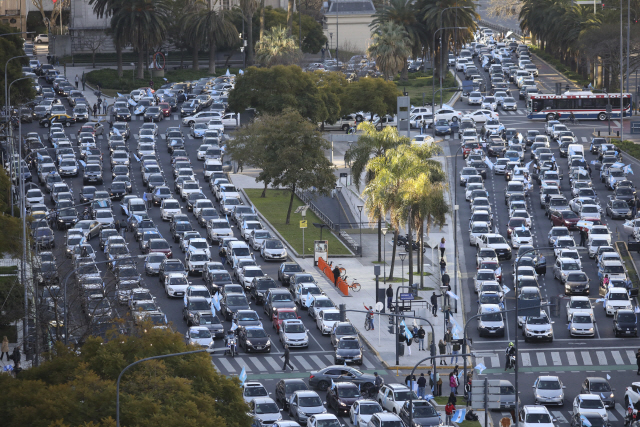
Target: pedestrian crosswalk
500,112
257,364
141,117
564,416
562,358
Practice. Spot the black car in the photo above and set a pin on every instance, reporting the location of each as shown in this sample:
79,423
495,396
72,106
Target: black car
66,218
625,323
209,321
206,214
348,350
254,339
117,190
600,387
342,396
162,192
424,414
216,279
190,108
92,173
65,119
153,114
496,148
179,228
531,137
48,273
44,238
286,270
87,193
122,115
260,286
285,388
595,144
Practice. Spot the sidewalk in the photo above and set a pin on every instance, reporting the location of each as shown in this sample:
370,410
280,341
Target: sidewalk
362,269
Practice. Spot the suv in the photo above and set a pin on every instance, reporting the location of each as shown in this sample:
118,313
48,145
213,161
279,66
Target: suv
392,396
538,328
535,416
41,38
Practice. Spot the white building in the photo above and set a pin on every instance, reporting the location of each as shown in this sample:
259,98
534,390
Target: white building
347,24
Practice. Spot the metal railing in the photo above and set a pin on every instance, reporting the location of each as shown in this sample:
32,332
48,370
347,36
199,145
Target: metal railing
306,199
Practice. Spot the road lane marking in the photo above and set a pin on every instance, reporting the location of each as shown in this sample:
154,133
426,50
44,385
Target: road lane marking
526,360
542,360
259,365
227,366
632,356
495,361
602,358
305,365
586,358
571,356
555,357
617,358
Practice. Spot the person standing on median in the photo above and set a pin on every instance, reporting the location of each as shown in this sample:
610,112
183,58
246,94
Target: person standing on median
389,296
422,384
441,246
442,347
336,275
434,304
420,334
77,82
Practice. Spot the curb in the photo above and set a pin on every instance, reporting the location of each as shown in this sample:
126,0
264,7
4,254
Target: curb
456,96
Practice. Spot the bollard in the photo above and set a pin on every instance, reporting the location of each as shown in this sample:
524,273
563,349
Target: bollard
598,133
618,133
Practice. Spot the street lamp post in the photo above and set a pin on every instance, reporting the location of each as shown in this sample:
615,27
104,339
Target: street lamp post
19,175
456,28
360,226
338,192
433,81
384,243
396,310
455,234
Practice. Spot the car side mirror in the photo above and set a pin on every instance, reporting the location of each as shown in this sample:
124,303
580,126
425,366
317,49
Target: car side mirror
564,386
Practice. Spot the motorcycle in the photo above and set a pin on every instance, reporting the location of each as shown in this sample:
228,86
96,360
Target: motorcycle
231,344
511,362
631,417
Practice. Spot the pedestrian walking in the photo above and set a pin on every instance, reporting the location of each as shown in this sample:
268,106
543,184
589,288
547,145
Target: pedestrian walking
123,227
105,106
453,383
422,385
449,410
16,356
389,294
637,357
336,275
223,255
5,348
77,81
443,266
421,334
583,237
286,358
84,81
441,246
434,304
442,347
447,340
455,350
95,109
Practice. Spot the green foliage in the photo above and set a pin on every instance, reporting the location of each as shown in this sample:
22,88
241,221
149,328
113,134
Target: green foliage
11,46
558,65
272,90
12,295
391,47
421,83
276,47
10,226
373,95
80,389
332,87
289,150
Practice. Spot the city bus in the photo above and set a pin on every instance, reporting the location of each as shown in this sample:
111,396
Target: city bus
584,105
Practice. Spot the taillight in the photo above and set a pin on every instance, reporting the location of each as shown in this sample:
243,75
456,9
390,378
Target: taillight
311,376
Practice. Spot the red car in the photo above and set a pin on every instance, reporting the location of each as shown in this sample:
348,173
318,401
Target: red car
166,109
565,218
283,314
469,147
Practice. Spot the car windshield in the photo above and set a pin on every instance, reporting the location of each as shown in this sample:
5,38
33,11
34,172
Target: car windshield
496,240
591,404
371,408
538,418
618,296
256,333
273,244
548,385
179,280
491,317
332,316
577,277
255,391
486,276
306,401
626,317
349,344
615,269
199,305
236,300
581,318
200,333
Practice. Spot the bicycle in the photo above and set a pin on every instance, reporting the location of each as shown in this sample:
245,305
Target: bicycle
367,322
354,286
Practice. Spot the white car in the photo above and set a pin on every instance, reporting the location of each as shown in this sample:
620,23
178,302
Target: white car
217,229
474,98
578,303
199,244
536,416
589,403
548,390
563,242
201,117
257,238
590,212
392,396
105,217
478,228
199,336
34,196
582,324
361,412
521,237
293,333
616,299
481,116
482,276
202,150
215,124
302,292
252,390
496,242
175,284
169,208
448,113
246,275
489,103
318,304
325,319
273,249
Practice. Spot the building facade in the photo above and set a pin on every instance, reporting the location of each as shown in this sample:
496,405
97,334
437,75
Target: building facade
346,24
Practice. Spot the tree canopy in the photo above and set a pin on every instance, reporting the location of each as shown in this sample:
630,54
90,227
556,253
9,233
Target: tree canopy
79,389
290,151
11,46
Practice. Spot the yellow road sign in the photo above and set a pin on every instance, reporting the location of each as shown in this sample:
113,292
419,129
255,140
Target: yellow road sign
303,224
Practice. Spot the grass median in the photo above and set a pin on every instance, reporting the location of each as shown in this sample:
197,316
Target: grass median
419,87
274,208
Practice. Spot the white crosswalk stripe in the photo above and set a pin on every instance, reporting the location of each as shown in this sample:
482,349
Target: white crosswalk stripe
542,360
273,363
602,358
591,357
560,417
495,361
611,416
555,356
259,365
586,358
584,139
572,358
617,358
228,367
526,360
632,357
301,360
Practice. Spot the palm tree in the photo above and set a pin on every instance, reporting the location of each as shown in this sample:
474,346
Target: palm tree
249,8
391,173
107,8
276,47
390,48
448,13
424,197
213,26
289,16
372,143
407,14
143,24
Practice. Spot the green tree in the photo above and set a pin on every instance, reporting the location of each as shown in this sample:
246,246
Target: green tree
272,90
10,226
11,46
372,143
390,48
143,24
248,9
290,150
276,47
331,87
370,95
75,389
107,8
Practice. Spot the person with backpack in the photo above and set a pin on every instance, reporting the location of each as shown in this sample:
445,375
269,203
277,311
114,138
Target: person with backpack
449,410
455,350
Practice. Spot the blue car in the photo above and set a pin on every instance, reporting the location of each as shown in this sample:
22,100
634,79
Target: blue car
442,127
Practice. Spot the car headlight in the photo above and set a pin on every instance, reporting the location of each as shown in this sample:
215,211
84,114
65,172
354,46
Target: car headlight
248,342
170,289
611,396
573,329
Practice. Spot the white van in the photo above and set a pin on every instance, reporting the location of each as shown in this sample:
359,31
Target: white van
575,150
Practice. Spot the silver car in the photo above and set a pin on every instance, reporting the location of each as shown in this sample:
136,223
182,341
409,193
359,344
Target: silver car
304,403
548,390
152,263
265,409
509,103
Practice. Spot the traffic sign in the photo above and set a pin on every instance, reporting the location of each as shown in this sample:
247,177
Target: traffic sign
379,306
406,296
303,224
609,108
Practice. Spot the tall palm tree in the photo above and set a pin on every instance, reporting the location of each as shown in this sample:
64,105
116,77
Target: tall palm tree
407,14
390,48
391,173
442,14
276,47
372,143
212,26
249,8
107,8
143,24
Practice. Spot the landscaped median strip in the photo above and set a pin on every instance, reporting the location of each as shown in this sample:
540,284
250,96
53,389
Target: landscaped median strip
274,208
